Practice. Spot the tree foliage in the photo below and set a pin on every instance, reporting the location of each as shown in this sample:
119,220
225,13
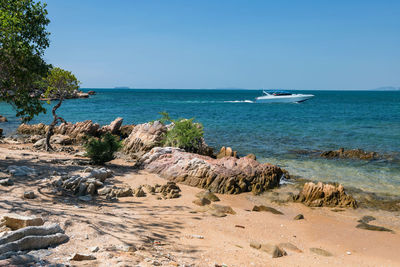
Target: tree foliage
59,83
101,150
23,39
185,133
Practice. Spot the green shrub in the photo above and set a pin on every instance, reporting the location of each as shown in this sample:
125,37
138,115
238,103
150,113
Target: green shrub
101,150
185,134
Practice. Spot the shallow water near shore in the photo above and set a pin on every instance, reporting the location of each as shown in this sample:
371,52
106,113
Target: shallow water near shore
332,119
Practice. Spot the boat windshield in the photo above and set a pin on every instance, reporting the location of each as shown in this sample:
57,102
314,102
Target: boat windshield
276,93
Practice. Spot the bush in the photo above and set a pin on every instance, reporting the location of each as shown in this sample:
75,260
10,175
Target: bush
101,150
185,134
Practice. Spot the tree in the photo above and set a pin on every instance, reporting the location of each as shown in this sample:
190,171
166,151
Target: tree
23,39
59,83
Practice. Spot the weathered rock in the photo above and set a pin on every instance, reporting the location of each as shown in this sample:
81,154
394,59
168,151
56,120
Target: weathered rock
273,250
255,245
15,221
3,119
207,194
290,246
150,189
144,137
227,175
31,231
104,190
100,174
29,195
321,252
85,198
328,195
350,154
61,139
40,143
226,152
35,129
169,190
222,209
251,156
201,201
6,182
113,127
78,131
267,209
371,227
299,217
139,192
91,92
82,257
126,130
121,192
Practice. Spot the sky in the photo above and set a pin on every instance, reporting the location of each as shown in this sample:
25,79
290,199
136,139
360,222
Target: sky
227,43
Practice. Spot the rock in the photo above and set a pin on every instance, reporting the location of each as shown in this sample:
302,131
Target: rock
350,154
226,175
91,92
6,182
169,190
3,119
91,189
114,126
35,129
268,209
327,195
94,249
144,137
126,130
290,246
30,231
121,192
31,242
80,154
222,209
15,221
78,131
251,156
321,252
201,201
298,217
85,198
82,257
61,139
139,192
207,194
40,144
29,195
371,227
226,152
82,95
104,190
255,245
273,250
100,174
366,219
150,189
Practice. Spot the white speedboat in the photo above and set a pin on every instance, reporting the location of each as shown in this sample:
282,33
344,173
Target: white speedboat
282,97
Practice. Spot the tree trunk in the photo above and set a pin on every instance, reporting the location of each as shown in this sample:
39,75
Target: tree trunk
50,131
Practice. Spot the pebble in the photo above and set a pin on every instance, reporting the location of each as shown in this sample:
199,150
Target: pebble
348,253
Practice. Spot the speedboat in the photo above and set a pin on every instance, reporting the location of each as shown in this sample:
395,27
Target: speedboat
282,97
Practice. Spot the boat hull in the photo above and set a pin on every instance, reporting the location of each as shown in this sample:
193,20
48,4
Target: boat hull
283,99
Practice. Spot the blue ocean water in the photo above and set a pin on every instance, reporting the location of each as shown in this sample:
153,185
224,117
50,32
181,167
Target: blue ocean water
332,119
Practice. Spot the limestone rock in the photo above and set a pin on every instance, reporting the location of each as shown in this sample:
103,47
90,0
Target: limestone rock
227,175
327,195
267,209
144,137
226,152
6,182
15,221
350,154
3,119
321,252
207,194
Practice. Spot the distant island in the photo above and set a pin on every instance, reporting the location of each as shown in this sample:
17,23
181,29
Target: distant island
387,88
122,87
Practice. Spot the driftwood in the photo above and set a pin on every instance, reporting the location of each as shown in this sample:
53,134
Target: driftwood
33,237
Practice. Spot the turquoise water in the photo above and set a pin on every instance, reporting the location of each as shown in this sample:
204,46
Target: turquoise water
332,119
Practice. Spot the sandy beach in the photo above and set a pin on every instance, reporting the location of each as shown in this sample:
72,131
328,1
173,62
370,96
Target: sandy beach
148,231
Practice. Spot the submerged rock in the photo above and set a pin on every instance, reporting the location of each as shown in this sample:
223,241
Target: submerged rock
325,195
350,154
3,119
228,175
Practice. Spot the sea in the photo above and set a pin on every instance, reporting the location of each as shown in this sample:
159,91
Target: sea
289,135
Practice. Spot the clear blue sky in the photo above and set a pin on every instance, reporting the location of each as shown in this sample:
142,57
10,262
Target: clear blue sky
227,43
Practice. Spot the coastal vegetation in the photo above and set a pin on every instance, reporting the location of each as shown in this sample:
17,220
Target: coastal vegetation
23,40
101,150
59,83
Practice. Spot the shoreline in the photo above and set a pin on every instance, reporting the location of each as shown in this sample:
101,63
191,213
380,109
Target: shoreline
180,229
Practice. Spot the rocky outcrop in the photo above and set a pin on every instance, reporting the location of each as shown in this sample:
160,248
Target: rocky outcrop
325,195
350,154
226,152
144,137
227,175
35,129
79,130
15,221
3,119
113,127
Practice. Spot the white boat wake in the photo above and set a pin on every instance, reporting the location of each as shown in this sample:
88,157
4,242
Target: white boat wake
239,101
